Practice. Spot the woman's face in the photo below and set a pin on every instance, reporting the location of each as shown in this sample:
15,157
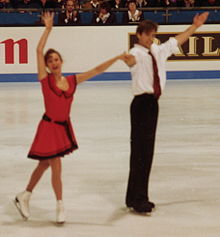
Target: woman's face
132,6
54,63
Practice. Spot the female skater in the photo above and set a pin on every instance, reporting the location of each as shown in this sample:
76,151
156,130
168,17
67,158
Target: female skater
55,137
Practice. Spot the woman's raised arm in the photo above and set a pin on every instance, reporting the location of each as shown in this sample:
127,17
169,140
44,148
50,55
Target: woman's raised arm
47,18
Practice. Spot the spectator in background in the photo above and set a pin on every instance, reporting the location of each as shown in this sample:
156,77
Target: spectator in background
61,4
5,4
104,15
144,3
155,3
46,4
70,16
133,14
116,4
76,3
198,3
25,4
189,3
203,3
95,3
210,3
166,3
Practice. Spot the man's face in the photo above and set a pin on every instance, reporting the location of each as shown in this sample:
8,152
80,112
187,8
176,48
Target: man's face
69,6
146,39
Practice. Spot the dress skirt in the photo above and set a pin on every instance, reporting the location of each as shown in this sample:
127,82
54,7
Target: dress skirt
53,139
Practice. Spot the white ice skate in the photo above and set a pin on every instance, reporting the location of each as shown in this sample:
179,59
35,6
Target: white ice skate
22,203
60,214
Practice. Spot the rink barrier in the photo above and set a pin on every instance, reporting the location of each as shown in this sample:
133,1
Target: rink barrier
118,76
199,57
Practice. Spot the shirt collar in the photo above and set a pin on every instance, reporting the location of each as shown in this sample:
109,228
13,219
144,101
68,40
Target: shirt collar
56,90
141,47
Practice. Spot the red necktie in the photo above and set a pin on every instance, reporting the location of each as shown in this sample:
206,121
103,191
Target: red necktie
156,84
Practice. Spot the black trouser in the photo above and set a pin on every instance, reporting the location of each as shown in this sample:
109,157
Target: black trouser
144,113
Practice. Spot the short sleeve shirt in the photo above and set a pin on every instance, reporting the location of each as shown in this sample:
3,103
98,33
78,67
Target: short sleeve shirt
142,71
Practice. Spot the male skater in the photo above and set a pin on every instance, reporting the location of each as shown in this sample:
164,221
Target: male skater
147,65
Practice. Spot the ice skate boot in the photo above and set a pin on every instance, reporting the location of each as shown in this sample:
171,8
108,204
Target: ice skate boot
60,214
22,203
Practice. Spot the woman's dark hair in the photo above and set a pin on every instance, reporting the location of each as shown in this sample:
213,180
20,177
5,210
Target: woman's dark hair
49,52
146,26
105,6
131,1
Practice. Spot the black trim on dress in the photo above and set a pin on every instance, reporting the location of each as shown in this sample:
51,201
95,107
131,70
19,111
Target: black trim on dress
61,154
51,85
59,92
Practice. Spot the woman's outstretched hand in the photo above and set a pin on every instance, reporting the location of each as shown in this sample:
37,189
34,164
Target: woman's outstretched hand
129,59
47,18
124,56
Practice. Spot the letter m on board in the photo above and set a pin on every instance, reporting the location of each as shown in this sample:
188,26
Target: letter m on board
9,51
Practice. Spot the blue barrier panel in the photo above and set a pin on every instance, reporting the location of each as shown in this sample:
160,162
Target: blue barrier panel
56,18
180,16
156,16
159,16
118,76
15,18
119,17
86,17
214,16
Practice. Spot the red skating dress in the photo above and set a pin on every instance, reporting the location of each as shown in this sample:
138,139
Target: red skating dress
55,136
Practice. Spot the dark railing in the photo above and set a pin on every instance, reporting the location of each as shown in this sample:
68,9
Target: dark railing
32,17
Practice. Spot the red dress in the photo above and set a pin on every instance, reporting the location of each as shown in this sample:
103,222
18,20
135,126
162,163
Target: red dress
55,136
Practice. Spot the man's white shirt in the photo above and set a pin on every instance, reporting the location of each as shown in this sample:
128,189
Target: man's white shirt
142,71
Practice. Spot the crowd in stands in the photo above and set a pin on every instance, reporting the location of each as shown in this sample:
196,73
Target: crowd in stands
103,10
44,4
103,13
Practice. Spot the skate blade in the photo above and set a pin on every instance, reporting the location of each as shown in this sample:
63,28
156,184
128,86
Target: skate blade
60,223
154,209
130,209
16,202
